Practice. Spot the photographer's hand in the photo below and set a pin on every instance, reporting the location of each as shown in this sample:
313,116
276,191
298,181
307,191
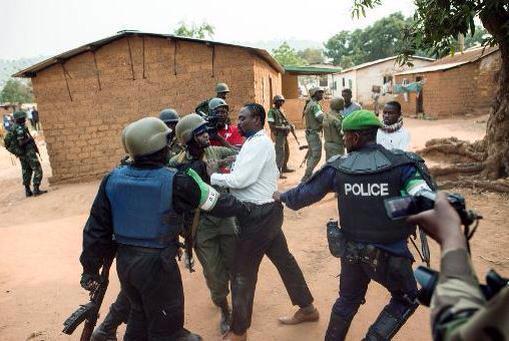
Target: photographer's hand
442,224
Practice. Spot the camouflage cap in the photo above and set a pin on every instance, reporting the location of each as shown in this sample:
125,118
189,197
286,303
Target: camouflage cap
361,120
19,114
222,87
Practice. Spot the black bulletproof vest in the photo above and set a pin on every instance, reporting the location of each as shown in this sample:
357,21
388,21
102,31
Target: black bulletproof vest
366,178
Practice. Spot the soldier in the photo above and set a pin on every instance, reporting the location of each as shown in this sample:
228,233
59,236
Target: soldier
459,310
138,207
350,106
374,247
313,115
280,127
170,117
20,142
215,237
222,90
332,134
221,132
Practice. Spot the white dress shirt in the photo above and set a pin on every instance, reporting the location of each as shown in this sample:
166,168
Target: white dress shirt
400,139
253,177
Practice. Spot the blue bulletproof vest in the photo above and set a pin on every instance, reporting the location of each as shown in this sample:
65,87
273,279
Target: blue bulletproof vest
141,205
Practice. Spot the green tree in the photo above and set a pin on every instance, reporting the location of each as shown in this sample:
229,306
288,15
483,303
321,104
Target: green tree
202,31
480,35
286,55
311,56
436,27
16,91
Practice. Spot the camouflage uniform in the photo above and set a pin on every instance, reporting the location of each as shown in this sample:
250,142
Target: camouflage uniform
459,309
313,115
203,108
332,134
277,119
215,237
27,155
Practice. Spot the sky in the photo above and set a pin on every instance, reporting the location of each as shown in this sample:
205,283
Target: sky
32,28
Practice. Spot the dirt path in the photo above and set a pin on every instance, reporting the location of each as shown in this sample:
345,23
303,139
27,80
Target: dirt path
40,242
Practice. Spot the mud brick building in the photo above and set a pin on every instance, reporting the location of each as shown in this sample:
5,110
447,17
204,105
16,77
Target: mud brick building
464,83
86,96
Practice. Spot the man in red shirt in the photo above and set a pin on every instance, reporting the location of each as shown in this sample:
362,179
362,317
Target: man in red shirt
222,133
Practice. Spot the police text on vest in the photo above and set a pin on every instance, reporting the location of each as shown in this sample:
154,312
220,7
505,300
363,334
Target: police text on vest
367,190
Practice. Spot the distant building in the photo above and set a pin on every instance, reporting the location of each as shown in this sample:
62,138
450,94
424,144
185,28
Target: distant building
361,78
86,96
464,83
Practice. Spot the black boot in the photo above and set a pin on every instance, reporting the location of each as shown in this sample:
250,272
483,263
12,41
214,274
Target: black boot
107,330
37,191
337,329
28,191
387,325
226,317
186,335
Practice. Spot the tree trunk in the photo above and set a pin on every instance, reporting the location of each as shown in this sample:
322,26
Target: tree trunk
496,140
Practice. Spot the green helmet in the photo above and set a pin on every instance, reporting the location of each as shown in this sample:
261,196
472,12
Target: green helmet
145,136
278,98
315,89
169,116
222,87
337,103
187,126
216,102
19,114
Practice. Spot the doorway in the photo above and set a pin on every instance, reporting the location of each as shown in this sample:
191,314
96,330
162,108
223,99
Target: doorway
419,104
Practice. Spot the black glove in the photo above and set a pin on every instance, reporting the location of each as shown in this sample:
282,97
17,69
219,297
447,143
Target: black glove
89,281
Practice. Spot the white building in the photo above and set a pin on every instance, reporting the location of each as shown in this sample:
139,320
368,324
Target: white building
361,78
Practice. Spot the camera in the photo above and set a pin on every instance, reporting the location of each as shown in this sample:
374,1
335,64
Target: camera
402,207
428,279
213,123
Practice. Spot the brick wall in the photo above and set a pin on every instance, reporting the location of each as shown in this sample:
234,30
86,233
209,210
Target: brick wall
290,84
83,134
454,92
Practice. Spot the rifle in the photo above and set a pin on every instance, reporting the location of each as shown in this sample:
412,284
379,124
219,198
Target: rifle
90,312
33,143
190,238
305,158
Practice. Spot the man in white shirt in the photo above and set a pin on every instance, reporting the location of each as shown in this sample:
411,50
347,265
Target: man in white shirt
392,134
253,180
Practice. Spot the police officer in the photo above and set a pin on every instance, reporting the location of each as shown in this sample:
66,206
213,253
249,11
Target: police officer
313,115
332,133
280,127
222,90
215,237
170,117
459,310
139,207
374,247
20,142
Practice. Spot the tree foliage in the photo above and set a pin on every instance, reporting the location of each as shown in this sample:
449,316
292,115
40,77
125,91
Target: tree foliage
380,40
202,31
286,55
16,91
311,56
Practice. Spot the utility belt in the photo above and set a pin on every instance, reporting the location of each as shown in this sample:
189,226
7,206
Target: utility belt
351,251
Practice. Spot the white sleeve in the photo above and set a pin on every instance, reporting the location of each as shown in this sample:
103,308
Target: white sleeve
247,169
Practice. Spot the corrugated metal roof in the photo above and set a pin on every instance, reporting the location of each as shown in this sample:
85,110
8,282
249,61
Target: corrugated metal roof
378,61
468,56
32,70
310,70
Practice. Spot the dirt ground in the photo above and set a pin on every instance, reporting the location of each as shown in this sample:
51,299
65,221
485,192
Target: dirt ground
40,242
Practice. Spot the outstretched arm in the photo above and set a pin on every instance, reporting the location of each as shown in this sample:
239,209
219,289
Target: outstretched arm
311,191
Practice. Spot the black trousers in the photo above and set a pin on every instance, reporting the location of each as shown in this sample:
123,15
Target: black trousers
262,235
151,280
394,273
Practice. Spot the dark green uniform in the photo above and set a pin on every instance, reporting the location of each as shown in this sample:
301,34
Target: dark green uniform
332,134
313,115
215,237
203,108
27,154
280,127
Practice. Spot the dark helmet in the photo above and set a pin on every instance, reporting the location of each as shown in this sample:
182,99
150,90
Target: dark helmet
187,126
278,98
19,114
169,116
222,87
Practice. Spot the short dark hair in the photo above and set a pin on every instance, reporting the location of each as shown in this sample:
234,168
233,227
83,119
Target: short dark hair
394,104
368,135
347,90
257,110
